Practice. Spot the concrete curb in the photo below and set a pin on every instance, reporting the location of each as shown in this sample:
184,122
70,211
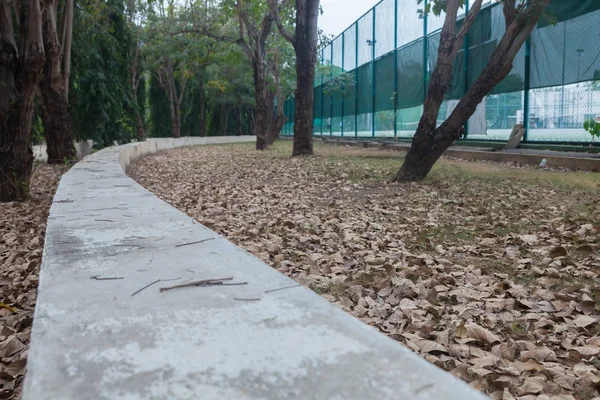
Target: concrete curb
483,154
93,340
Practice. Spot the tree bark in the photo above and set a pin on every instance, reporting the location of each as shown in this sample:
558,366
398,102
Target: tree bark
135,81
166,78
429,142
305,46
261,121
20,69
56,118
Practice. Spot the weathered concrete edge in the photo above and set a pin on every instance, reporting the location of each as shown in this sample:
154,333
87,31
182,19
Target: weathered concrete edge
573,163
92,339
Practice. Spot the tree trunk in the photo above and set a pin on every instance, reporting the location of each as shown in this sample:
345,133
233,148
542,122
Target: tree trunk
261,122
135,81
305,46
202,111
222,120
58,127
429,142
20,69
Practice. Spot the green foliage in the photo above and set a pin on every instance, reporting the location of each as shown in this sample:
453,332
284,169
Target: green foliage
593,127
101,95
159,110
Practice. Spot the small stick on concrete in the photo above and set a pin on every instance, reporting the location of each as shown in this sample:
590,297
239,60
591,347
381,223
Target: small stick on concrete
146,287
199,241
104,220
204,282
189,270
106,278
251,299
282,288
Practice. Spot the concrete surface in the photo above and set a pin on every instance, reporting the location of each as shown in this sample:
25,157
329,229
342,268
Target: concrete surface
93,340
82,148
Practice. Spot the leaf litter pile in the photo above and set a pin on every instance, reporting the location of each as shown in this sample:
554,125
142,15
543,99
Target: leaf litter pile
488,271
22,230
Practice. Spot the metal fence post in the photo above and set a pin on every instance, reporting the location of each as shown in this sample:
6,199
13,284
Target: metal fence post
374,86
322,62
526,85
331,92
466,66
425,52
356,83
343,86
395,68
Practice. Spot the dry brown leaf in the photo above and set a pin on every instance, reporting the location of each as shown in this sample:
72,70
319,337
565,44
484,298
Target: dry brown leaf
583,321
482,334
532,385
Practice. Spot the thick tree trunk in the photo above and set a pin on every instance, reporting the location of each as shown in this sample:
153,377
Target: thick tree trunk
202,111
20,69
305,46
141,134
58,127
261,122
429,142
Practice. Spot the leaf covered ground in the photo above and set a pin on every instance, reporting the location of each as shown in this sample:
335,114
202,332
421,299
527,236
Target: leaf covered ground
22,230
488,271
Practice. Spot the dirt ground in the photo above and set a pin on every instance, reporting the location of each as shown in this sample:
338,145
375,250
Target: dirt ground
489,271
22,230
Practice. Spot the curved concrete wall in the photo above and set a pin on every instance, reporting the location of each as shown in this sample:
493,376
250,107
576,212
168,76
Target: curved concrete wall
93,339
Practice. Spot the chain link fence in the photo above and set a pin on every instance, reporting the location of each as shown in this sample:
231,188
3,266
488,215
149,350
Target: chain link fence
372,78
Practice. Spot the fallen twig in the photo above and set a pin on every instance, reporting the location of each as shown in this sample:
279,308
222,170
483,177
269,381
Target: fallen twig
146,287
104,220
199,241
204,282
282,288
250,299
106,278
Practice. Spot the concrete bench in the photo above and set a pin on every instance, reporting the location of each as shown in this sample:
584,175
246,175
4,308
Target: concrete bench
93,340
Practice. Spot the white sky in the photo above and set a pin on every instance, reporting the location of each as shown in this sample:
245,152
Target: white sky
340,14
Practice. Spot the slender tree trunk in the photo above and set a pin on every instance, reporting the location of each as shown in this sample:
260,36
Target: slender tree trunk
240,121
429,142
20,69
202,110
305,46
222,127
58,127
227,112
270,101
135,81
261,122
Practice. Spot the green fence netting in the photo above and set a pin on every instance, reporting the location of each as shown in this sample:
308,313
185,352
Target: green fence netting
389,54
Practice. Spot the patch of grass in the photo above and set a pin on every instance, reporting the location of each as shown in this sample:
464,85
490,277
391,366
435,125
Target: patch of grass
334,289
